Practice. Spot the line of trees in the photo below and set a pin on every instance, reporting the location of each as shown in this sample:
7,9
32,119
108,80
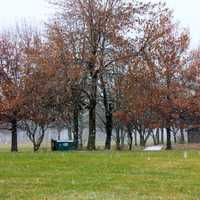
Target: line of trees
124,63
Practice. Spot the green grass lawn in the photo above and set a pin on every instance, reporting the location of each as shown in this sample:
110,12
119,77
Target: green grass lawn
100,175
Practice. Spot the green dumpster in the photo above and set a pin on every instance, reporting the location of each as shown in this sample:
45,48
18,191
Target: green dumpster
62,146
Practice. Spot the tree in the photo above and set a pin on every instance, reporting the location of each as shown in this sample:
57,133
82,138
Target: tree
38,104
35,132
190,113
10,84
47,92
152,88
170,54
71,76
102,28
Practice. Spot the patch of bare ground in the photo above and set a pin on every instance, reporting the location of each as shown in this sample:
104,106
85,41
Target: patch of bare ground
187,146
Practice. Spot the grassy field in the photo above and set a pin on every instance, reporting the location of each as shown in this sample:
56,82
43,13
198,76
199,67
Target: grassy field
100,175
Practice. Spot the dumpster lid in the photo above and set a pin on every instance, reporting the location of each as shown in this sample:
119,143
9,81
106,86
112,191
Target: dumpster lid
62,141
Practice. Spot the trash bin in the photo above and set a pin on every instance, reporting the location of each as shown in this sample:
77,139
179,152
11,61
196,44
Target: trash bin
62,145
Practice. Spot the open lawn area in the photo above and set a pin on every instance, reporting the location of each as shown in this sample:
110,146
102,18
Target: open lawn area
100,175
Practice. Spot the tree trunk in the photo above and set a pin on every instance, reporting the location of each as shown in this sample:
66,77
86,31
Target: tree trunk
146,136
154,139
108,115
69,130
109,127
92,115
37,141
162,135
81,131
182,136
14,135
169,144
142,140
118,138
59,132
108,138
36,147
158,135
174,134
130,135
76,126
92,129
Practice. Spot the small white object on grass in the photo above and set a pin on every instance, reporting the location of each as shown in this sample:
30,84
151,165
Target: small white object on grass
92,196
154,148
185,155
73,182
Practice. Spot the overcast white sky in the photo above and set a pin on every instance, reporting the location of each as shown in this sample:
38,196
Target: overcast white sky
187,12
